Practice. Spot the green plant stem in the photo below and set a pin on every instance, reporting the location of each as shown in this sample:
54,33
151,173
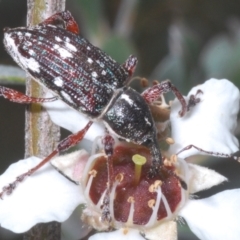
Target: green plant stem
42,135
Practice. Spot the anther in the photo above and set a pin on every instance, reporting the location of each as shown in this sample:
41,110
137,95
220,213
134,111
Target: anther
93,173
131,200
151,203
157,183
119,177
173,158
167,163
170,141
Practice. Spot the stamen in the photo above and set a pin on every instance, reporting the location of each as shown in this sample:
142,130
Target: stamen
139,161
112,197
100,201
92,174
119,177
151,203
131,211
157,183
173,158
89,165
155,208
167,207
153,187
170,141
167,163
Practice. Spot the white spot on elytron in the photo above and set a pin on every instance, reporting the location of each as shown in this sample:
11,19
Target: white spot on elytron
90,60
56,46
19,33
30,63
127,99
102,64
94,74
58,81
70,46
66,96
88,48
147,121
103,72
58,39
31,52
67,39
28,34
63,52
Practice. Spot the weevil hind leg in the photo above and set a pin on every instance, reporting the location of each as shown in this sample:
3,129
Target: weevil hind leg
65,144
15,96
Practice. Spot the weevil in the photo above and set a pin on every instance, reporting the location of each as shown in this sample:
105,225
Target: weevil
88,80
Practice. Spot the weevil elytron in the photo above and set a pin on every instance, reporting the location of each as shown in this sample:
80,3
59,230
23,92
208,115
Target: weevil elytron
88,80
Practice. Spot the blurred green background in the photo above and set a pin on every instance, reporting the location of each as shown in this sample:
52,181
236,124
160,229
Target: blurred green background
186,41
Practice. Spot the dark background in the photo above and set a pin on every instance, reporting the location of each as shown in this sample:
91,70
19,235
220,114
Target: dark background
184,40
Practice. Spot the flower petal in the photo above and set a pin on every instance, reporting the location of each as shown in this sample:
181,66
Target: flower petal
43,197
216,217
211,123
72,165
74,228
126,234
165,231
201,178
72,120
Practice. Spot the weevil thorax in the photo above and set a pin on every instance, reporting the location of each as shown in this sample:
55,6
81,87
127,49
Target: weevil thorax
81,74
129,117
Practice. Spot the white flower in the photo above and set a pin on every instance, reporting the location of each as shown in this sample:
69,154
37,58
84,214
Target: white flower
47,195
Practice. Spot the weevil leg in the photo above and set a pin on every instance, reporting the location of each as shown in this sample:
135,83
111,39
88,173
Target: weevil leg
62,19
194,100
108,142
157,165
219,154
65,144
130,66
15,96
152,94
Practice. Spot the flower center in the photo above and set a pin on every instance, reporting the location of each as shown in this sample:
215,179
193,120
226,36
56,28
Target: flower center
135,199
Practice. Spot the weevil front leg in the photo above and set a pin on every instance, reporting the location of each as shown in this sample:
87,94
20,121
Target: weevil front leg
62,19
15,96
65,144
193,99
152,94
217,154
